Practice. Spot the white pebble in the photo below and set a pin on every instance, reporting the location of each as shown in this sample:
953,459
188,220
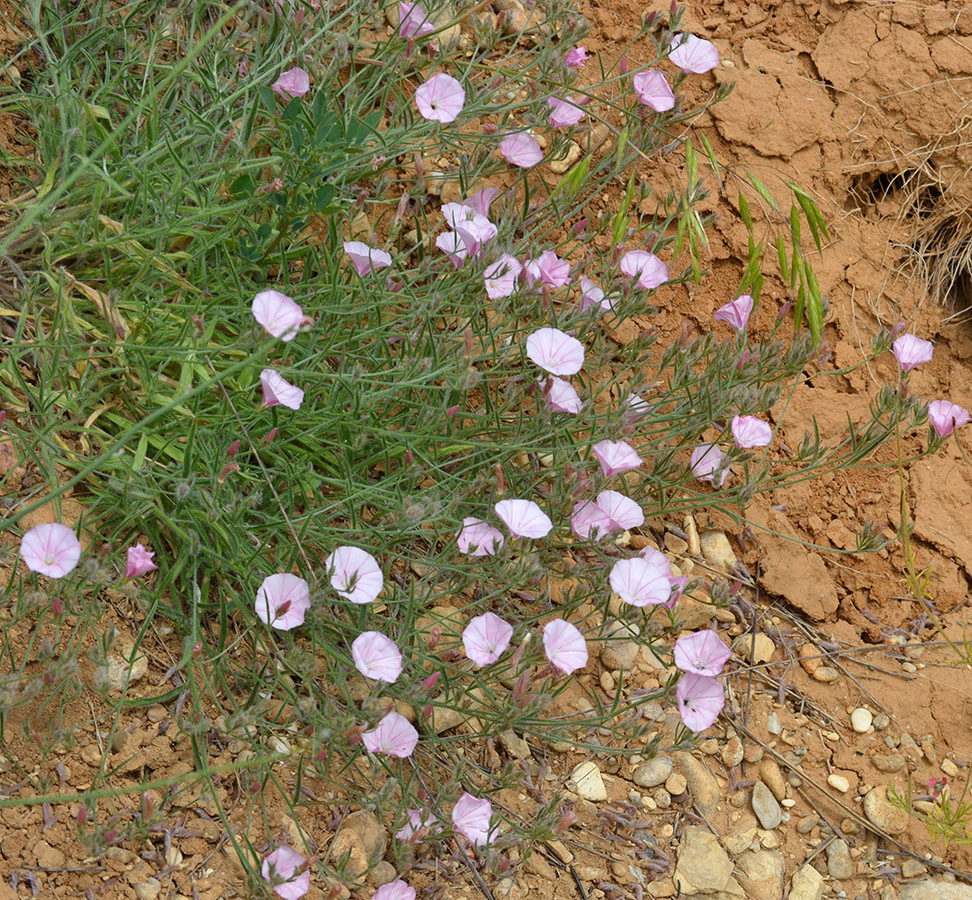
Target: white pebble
861,720
838,783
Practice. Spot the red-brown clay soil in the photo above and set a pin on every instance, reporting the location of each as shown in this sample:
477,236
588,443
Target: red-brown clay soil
867,108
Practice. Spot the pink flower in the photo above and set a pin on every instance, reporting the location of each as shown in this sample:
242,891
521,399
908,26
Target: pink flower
452,244
521,149
417,820
592,295
549,269
482,200
355,574
657,559
561,397
616,456
280,870
486,638
588,521
524,518
707,463
470,818
946,416
413,21
749,431
564,646
501,276
555,352
278,391
911,351
366,259
277,314
563,113
376,656
459,215
623,512
282,601
652,89
610,512
441,98
292,83
646,267
700,700
51,549
736,313
693,54
640,582
576,57
635,408
395,890
477,538
139,561
704,653
679,583
394,736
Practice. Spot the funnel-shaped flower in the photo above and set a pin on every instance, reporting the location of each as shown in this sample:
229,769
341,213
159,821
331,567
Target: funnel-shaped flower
394,735
51,549
477,538
736,313
521,149
280,870
693,54
292,83
700,700
524,518
564,113
704,653
911,351
616,456
749,431
470,818
564,646
376,656
441,98
355,574
278,391
413,20
623,512
646,267
708,464
547,269
277,314
592,295
641,582
486,638
946,416
366,259
653,90
501,276
139,561
575,57
282,601
395,890
555,352
561,397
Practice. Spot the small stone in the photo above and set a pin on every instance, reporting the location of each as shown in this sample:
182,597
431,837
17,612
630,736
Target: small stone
849,826
705,790
156,713
806,884
676,784
382,873
663,800
120,855
949,768
703,866
861,720
91,754
514,745
761,874
771,775
710,746
49,857
607,682
770,840
348,852
753,754
827,675
809,658
882,814
758,649
732,752
125,665
586,782
909,748
773,724
148,889
654,772
839,863
766,806
881,721
838,782
807,824
888,762
692,535
740,836
675,544
573,153
912,868
369,830
717,550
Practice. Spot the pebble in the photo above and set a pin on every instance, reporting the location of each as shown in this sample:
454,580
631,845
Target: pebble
702,862
766,806
949,768
514,745
807,824
586,782
827,675
838,782
717,550
654,772
839,863
662,798
773,724
806,884
676,784
740,836
861,719
48,857
912,868
692,535
772,777
881,813
761,873
888,762
562,164
732,752
770,840
756,650
608,684
148,889
881,721
705,790
809,658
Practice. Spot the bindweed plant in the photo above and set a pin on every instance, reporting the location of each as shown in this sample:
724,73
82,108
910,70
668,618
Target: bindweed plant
326,326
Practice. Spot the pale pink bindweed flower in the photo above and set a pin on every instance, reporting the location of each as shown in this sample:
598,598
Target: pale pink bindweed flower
138,561
282,601
576,57
555,352
441,98
486,638
635,408
592,295
946,416
394,736
653,90
470,818
478,538
623,512
547,269
704,653
413,20
564,113
501,276
708,464
453,246
616,457
394,890
51,549
521,149
588,521
277,391
482,200
561,397
293,83
736,313
911,351
284,871
650,271
277,314
612,511
693,54
366,259
355,574
416,820
751,431
564,646
641,582
700,700
524,518
376,656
